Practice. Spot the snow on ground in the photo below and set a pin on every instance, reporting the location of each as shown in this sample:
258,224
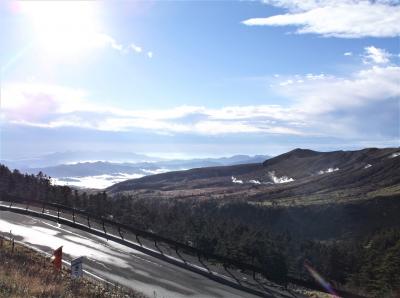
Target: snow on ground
255,181
367,166
394,155
237,181
329,170
283,179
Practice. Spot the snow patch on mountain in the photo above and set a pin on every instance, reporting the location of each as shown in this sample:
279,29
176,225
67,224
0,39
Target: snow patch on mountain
255,181
329,170
283,179
237,181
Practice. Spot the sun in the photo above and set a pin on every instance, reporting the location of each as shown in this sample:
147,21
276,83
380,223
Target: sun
64,28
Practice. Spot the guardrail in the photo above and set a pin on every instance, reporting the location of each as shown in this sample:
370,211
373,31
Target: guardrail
235,273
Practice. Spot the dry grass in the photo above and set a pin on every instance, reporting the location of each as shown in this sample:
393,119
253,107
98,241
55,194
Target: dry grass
26,273
309,293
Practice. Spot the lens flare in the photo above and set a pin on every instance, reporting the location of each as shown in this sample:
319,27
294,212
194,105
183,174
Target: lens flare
326,285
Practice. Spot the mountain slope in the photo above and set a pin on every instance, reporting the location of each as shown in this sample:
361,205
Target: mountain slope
299,175
81,169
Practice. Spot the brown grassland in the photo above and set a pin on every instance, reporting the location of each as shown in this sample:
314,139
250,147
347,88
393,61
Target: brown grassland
26,273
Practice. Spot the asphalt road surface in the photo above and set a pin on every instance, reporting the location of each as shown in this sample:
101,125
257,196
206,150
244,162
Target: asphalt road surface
112,261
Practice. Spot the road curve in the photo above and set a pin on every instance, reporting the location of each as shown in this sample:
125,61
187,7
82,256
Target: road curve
114,262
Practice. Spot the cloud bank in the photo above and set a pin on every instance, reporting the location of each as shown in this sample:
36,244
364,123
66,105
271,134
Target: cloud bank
336,18
319,105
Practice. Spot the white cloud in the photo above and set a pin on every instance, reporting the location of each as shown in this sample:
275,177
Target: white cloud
322,94
315,105
98,181
135,48
376,55
106,40
270,114
359,105
51,106
29,101
102,40
285,83
348,54
336,18
150,54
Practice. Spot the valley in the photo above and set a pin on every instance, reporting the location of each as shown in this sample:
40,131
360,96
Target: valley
334,210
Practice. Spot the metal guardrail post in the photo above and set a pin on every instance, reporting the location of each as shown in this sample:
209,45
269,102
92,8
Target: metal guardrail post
58,212
73,214
252,264
104,228
88,221
120,233
137,239
43,208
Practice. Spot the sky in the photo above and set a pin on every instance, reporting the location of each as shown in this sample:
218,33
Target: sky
199,78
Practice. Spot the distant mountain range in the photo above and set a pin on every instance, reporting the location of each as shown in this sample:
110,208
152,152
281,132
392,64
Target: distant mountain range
100,174
300,175
69,157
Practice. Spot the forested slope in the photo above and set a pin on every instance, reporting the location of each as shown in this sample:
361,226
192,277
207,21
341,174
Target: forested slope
352,243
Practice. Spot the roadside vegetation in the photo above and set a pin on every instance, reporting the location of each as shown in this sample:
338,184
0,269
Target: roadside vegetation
26,273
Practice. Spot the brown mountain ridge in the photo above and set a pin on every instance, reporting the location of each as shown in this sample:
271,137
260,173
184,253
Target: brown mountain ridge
300,176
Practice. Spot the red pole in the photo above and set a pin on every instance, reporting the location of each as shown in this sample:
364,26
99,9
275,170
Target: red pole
57,258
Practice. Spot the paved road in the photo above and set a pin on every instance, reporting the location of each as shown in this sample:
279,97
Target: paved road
114,262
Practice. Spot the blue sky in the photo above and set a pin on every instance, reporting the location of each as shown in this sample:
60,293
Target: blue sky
199,78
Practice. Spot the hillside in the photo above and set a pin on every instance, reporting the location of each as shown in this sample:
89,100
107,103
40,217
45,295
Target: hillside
100,174
344,222
301,176
26,273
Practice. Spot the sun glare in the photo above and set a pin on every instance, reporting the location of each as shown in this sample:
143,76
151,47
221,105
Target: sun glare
64,28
